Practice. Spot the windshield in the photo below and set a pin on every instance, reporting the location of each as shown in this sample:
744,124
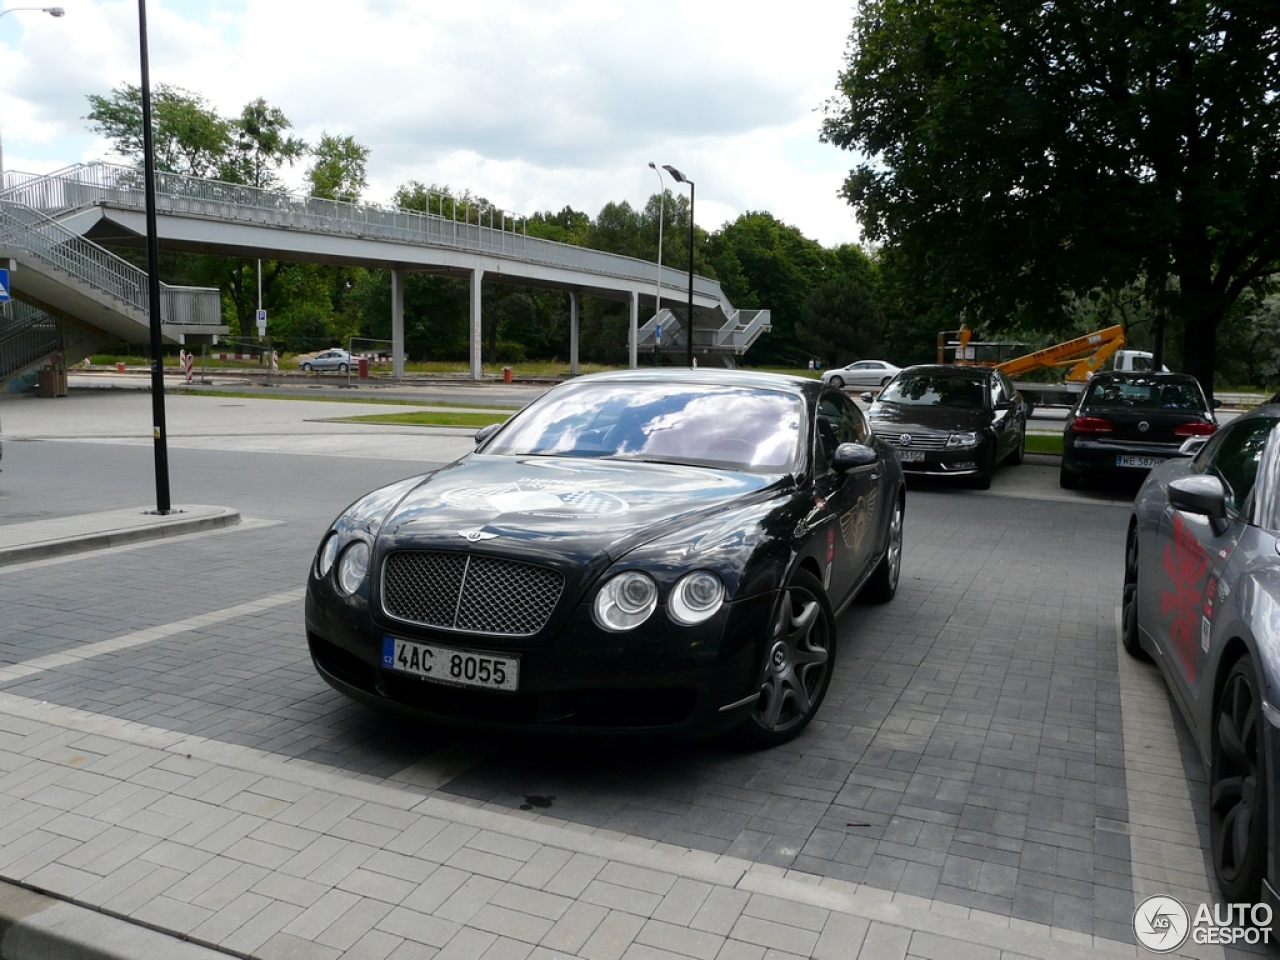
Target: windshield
736,427
1146,393
937,390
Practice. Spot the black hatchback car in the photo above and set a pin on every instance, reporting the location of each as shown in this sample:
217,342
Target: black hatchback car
953,421
1127,423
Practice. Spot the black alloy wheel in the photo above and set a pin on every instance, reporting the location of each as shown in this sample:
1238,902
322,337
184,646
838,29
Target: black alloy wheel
884,581
797,664
1238,787
1129,602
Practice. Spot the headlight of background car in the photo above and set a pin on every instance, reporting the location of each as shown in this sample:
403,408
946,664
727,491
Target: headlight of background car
696,598
969,439
625,602
353,566
328,553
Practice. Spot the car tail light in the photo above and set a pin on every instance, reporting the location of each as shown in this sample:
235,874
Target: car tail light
1091,425
1194,429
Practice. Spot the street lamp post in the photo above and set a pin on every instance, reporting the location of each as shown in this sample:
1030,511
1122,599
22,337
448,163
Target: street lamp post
681,178
51,11
657,287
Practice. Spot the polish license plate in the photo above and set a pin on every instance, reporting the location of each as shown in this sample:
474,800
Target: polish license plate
1145,462
911,456
459,668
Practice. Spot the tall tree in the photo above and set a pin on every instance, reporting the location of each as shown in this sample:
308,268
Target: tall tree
262,145
1018,149
189,136
338,168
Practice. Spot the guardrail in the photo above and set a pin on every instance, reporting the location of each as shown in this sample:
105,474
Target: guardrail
86,185
27,336
29,230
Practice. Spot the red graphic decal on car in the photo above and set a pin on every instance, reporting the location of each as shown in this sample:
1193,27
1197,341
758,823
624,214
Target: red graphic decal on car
1185,562
1210,594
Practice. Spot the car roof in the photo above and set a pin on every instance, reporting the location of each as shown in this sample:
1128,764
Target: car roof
705,376
1129,376
948,370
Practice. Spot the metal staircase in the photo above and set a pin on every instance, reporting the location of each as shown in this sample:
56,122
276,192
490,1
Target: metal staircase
738,330
64,283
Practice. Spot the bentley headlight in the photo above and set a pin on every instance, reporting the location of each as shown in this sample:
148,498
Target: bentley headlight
328,553
696,598
969,439
353,566
625,602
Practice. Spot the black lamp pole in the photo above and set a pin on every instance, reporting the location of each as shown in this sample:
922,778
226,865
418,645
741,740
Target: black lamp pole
153,278
681,178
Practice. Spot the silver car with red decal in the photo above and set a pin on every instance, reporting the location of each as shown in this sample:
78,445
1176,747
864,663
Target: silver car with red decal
1202,599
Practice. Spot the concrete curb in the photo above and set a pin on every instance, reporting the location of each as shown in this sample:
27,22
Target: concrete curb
36,927
42,539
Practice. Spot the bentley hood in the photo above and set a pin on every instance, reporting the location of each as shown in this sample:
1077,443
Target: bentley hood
571,507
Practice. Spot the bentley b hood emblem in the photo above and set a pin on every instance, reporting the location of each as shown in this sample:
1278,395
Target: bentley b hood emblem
476,534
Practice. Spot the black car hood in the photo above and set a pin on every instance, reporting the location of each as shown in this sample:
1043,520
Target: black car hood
555,505
889,417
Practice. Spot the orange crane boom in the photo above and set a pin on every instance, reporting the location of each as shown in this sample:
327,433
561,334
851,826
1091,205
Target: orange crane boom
1085,355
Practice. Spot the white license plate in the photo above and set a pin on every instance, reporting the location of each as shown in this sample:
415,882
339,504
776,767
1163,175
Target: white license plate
1144,462
911,456
459,668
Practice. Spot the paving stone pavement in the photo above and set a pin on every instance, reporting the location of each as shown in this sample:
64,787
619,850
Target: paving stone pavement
168,756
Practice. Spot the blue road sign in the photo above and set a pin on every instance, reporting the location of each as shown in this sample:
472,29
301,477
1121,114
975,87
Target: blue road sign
4,286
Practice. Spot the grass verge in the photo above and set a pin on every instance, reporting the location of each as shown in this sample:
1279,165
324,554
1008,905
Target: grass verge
429,419
1045,443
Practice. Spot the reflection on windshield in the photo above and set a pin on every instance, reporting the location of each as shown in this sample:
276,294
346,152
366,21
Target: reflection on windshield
929,390
738,427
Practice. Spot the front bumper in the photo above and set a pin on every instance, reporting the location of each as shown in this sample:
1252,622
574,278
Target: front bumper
942,462
659,680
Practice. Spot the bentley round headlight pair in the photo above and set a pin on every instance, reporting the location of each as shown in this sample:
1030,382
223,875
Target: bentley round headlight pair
630,598
352,566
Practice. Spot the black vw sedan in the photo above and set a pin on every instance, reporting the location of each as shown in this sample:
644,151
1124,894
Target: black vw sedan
1202,597
646,552
955,421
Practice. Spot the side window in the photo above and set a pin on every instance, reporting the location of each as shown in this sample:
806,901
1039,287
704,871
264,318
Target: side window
839,421
1235,459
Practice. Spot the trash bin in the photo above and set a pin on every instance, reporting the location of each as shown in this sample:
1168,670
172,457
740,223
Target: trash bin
363,364
506,374
46,384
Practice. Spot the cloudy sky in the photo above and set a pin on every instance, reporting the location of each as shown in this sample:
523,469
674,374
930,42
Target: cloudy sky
533,103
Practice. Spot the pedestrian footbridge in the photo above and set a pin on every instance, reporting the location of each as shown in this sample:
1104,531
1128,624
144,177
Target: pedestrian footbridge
50,223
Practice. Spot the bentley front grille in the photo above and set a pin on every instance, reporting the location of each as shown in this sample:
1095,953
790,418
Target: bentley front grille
453,591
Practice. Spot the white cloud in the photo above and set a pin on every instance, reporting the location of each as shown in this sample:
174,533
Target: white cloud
536,104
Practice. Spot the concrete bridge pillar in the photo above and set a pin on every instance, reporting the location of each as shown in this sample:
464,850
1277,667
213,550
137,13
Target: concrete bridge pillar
477,330
633,336
573,332
397,324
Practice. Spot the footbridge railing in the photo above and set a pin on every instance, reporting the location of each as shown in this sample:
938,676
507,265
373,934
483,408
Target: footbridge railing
27,336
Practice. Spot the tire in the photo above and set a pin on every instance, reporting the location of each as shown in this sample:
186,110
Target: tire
837,382
982,481
1238,787
342,368
305,367
1019,454
1068,480
885,382
884,581
1129,601
797,667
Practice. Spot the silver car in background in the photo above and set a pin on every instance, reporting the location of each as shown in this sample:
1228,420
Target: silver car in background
862,375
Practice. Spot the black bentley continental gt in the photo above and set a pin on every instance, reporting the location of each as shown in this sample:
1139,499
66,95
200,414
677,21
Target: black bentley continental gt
646,552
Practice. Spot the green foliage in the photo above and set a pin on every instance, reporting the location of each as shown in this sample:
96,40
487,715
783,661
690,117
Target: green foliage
188,134
1016,150
261,146
338,168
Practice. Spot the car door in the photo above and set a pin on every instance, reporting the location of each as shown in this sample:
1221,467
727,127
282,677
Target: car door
852,499
1007,417
1193,553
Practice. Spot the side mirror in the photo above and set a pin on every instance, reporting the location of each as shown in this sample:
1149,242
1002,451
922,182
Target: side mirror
1202,494
867,397
1216,403
484,433
1006,405
851,456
